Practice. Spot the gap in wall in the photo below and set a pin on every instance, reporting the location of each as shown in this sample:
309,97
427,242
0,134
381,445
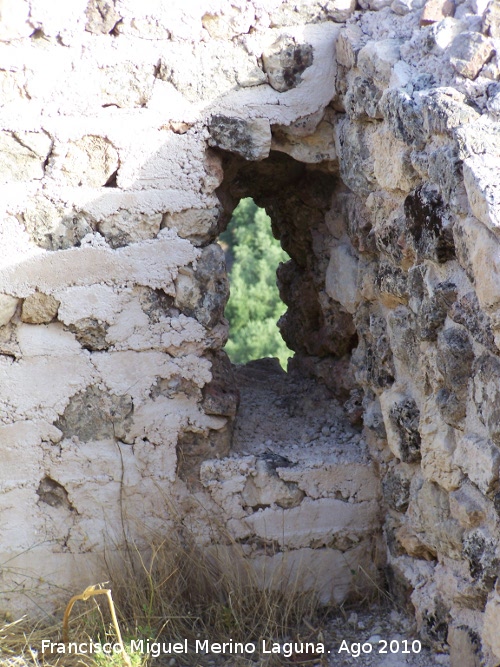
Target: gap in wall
254,307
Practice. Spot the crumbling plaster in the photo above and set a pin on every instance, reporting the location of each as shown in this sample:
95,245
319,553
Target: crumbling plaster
370,133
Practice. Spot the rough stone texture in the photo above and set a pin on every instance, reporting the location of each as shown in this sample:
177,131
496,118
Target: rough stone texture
285,61
39,308
128,133
469,52
436,10
250,139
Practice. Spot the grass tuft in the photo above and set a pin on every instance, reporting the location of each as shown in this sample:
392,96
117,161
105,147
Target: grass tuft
173,591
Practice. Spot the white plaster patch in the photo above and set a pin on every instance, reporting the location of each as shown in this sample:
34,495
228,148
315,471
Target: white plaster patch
150,263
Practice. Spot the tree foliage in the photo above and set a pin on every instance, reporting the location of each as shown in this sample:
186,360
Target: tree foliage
254,307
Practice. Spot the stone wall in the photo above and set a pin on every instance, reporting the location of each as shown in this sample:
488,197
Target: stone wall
129,131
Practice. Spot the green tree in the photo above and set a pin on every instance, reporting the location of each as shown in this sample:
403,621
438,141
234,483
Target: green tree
254,307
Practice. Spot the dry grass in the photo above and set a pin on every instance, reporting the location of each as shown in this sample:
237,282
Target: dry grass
175,591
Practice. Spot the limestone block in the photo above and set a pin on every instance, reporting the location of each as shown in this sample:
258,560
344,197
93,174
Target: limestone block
285,61
48,341
340,10
479,458
39,308
22,155
375,5
444,32
401,419
444,109
317,147
436,10
429,230
396,487
351,480
454,361
480,554
403,7
492,69
404,117
8,306
49,225
362,98
480,254
469,506
437,447
95,415
342,277
482,183
455,584
486,393
221,395
468,53
124,228
490,633
263,488
491,20
481,137
332,573
467,312
196,224
493,103
410,544
225,480
102,16
464,647
203,292
249,138
396,173
317,522
226,23
90,161
377,58
348,45
430,518
356,158
434,308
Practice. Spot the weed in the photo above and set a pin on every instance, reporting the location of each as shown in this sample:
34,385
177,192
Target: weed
175,590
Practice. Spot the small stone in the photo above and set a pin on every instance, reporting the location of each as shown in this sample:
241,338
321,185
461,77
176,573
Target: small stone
481,176
491,20
436,10
285,61
353,619
8,305
23,155
91,161
340,10
468,53
249,138
39,308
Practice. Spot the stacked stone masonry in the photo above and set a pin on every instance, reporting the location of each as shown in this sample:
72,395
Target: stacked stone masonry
370,132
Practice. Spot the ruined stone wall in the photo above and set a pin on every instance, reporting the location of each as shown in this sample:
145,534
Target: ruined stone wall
129,131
